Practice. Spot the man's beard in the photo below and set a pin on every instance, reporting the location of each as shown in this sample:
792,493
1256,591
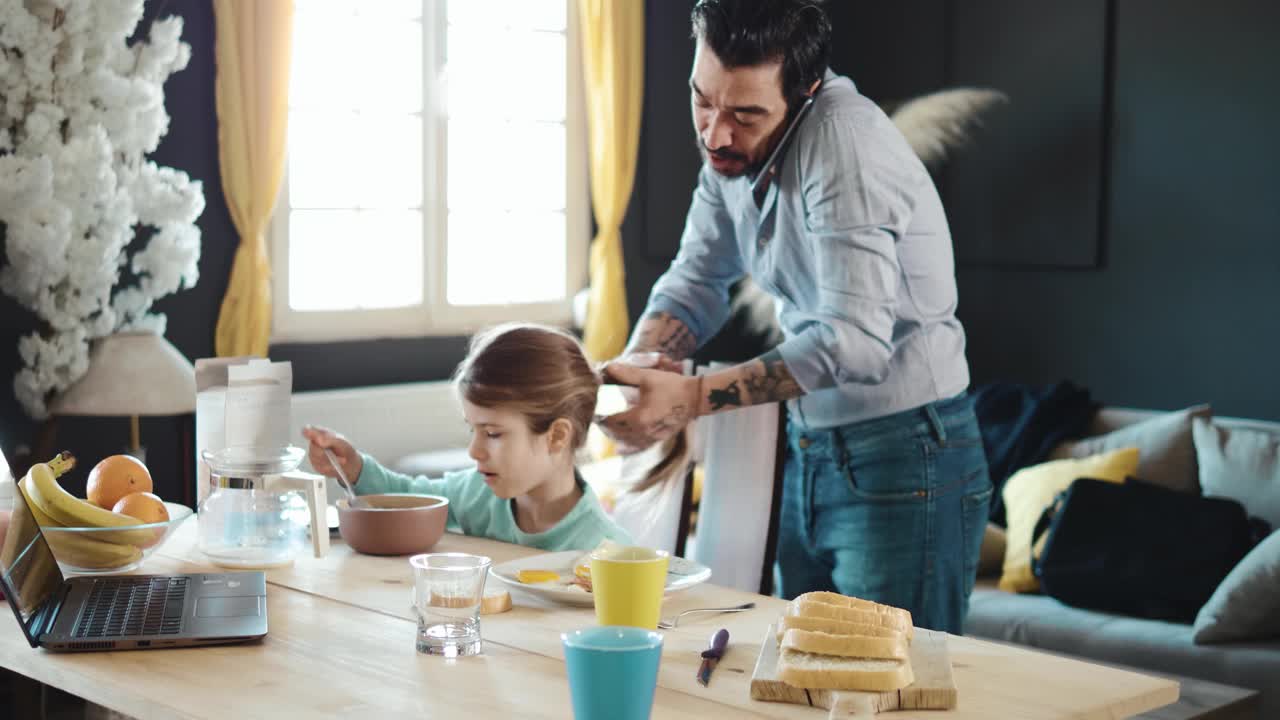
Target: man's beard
747,167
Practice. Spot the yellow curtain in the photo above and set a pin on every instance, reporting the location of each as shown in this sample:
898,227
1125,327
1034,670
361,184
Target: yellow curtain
613,68
253,48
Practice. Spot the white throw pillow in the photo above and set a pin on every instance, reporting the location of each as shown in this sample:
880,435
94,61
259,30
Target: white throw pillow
1246,605
1242,464
1167,454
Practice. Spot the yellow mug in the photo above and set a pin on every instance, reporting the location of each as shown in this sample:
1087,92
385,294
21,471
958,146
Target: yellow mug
628,584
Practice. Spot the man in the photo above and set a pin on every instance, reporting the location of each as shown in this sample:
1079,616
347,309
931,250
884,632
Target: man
886,488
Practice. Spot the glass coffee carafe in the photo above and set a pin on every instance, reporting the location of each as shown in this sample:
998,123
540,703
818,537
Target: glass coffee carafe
260,509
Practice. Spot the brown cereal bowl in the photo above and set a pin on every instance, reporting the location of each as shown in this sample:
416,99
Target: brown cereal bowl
396,524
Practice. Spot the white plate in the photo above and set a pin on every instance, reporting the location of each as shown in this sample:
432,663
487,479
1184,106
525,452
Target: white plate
681,574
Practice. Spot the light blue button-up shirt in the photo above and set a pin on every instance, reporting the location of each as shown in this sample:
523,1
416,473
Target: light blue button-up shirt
852,242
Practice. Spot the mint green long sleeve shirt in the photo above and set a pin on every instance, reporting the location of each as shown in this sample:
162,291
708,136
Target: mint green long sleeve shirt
475,510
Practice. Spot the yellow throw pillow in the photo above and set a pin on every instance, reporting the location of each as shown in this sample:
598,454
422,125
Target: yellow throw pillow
1030,490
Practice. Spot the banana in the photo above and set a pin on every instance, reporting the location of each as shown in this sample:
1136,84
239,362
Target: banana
61,463
36,503
71,511
73,549
89,553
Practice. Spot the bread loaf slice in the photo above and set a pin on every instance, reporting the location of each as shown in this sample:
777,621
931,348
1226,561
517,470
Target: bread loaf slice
495,600
835,627
854,646
849,601
825,672
812,608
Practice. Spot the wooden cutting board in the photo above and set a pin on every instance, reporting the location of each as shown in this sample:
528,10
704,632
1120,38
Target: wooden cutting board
934,687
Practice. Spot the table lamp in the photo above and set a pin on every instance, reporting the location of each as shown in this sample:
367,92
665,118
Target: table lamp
131,374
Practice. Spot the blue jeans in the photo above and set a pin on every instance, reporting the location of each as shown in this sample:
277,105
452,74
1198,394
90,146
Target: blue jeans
891,509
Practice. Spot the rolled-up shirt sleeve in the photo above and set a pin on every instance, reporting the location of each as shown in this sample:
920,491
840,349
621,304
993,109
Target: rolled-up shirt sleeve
695,289
857,201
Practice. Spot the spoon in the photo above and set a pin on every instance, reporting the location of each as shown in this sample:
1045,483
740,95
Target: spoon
353,500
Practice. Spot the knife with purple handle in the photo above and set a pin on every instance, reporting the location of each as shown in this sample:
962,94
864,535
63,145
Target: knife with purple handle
711,656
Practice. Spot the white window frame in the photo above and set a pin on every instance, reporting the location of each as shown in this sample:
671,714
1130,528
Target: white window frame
435,316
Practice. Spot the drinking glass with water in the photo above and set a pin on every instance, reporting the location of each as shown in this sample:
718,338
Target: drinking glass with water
448,589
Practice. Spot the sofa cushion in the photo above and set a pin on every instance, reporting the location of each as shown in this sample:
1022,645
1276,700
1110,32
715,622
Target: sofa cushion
1241,464
1032,489
1167,453
1043,622
1246,605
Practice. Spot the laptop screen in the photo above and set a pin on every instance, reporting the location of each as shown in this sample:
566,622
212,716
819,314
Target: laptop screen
29,574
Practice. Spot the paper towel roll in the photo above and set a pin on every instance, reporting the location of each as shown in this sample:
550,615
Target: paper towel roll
652,516
740,450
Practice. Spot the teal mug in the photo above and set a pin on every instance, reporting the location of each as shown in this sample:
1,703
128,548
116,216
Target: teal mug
612,671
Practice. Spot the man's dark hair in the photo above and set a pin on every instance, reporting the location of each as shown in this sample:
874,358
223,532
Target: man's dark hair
743,33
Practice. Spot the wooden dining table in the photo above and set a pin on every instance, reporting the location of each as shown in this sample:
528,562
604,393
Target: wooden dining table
341,644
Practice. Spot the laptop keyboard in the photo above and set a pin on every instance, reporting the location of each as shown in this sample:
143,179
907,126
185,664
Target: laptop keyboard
133,606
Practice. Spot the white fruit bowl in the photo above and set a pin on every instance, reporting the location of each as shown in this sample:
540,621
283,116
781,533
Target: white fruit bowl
93,550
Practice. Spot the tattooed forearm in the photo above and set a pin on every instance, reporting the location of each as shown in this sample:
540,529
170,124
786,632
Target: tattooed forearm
763,380
680,344
660,332
725,397
769,380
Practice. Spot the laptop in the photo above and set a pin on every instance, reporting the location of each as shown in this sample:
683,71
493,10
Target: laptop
122,612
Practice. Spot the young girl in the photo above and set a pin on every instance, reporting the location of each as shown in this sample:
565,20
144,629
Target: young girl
528,394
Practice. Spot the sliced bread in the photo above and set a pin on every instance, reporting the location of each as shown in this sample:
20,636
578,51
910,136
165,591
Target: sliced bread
835,627
854,646
853,602
825,672
495,600
813,608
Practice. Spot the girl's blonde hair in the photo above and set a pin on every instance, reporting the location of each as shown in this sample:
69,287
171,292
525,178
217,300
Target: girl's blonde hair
538,371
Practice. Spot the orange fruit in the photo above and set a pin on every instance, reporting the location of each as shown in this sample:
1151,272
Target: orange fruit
145,506
148,508
115,477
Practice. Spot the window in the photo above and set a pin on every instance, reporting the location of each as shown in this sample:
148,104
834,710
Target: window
436,177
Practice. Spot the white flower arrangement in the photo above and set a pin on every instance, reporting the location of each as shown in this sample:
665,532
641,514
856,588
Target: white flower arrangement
80,109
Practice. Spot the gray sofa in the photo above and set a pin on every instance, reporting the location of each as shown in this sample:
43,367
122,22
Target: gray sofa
1045,623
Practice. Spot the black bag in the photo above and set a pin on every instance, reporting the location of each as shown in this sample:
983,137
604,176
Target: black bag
1138,549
